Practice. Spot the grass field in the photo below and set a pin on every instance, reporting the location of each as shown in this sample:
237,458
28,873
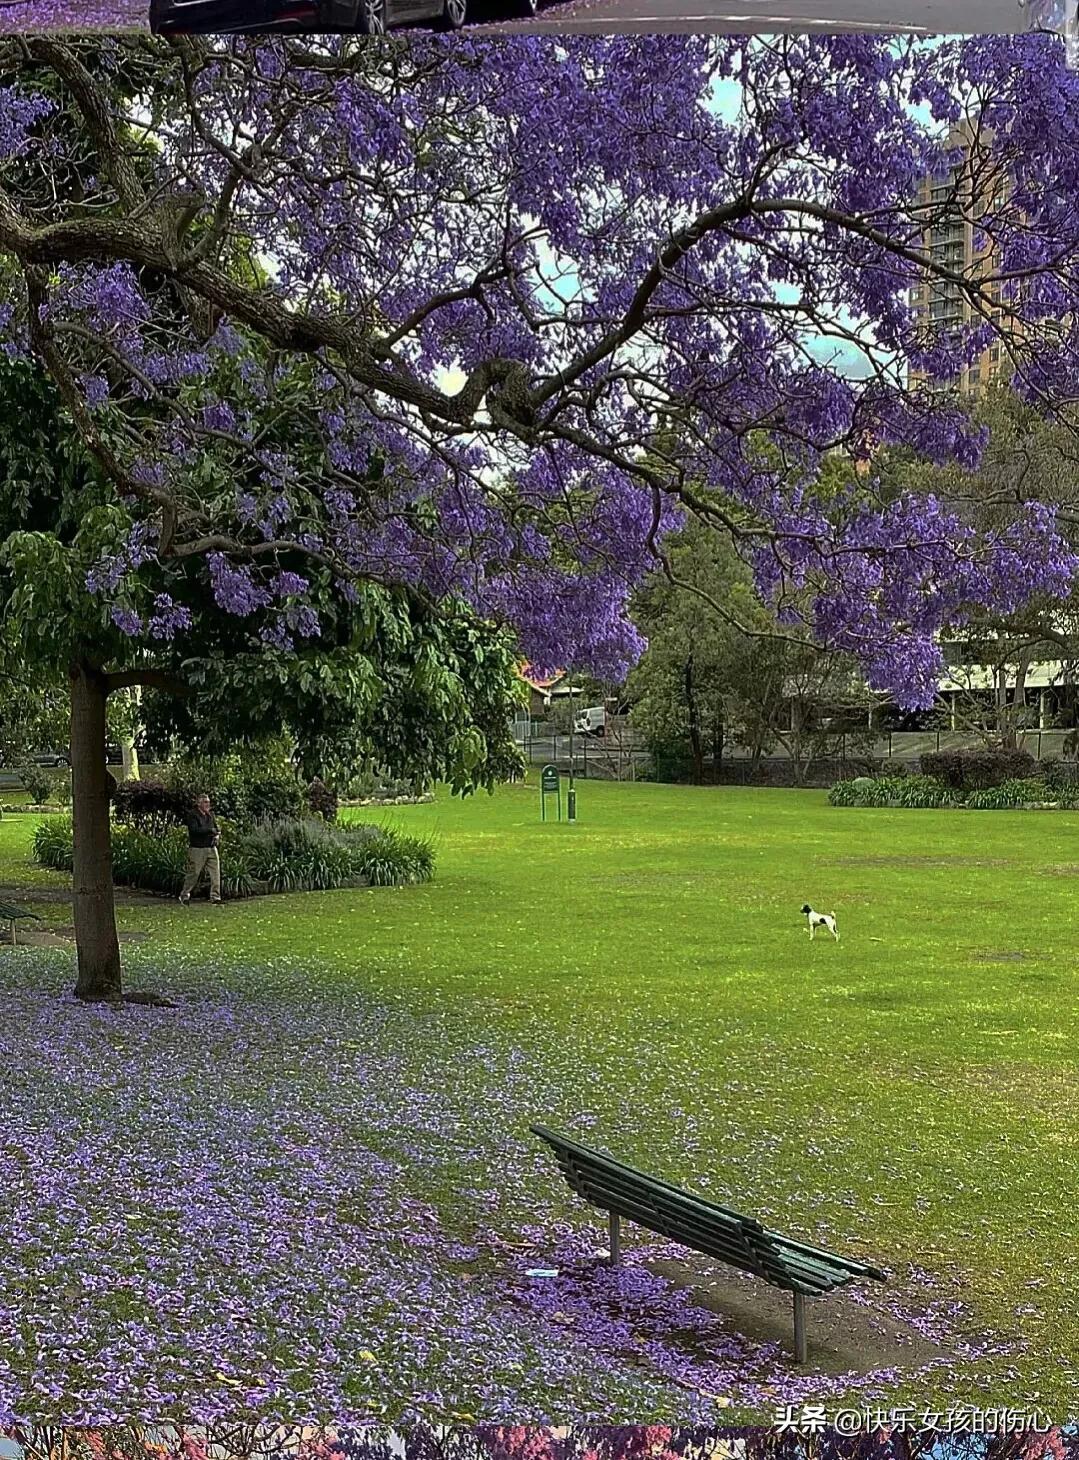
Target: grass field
642,978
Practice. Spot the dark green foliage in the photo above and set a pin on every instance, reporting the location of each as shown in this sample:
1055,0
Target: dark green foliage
296,856
1011,795
386,857
52,843
1059,776
322,800
36,780
978,770
912,792
150,806
287,856
255,785
929,793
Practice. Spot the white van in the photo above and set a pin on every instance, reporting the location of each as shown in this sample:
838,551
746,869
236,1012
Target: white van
591,722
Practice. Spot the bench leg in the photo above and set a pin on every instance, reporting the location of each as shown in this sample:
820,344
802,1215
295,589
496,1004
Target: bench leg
614,1230
800,1349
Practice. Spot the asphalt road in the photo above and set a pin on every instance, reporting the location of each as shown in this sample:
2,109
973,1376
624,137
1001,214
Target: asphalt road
749,16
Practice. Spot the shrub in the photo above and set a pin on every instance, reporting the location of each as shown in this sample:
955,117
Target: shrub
1010,795
151,860
923,793
53,843
271,796
60,788
150,805
258,785
912,792
846,793
36,781
298,856
977,770
388,858
1059,775
322,800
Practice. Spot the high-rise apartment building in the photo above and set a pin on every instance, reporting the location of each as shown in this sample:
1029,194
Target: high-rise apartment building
950,204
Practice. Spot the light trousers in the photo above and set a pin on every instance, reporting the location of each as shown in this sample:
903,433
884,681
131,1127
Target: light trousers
200,860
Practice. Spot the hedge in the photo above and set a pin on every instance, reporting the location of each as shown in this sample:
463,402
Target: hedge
978,770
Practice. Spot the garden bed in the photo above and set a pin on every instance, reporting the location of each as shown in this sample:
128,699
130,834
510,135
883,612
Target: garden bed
285,856
928,793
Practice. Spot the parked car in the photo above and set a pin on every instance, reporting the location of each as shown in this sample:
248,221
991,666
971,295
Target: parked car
366,17
56,759
592,721
51,758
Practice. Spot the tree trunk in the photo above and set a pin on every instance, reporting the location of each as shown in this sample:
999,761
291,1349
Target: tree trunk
695,741
129,756
96,943
1004,726
1019,699
796,742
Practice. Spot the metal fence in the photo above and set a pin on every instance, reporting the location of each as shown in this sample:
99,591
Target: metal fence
621,754
618,754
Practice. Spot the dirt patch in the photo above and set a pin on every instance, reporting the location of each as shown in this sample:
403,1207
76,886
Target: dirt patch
1046,1090
1000,955
63,937
53,896
844,1334
930,861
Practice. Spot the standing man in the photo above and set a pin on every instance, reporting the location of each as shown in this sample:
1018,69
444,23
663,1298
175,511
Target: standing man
202,855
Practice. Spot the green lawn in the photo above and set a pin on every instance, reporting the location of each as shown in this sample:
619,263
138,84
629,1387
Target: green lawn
907,1093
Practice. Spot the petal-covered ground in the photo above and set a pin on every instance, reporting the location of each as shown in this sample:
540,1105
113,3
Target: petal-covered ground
79,15
282,1198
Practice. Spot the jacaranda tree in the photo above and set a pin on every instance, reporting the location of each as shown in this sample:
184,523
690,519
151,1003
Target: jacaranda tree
429,315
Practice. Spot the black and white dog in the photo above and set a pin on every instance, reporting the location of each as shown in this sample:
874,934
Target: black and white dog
820,920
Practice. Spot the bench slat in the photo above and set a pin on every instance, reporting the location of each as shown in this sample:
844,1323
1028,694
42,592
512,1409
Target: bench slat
695,1211
720,1239
852,1265
601,1159
715,1230
716,1243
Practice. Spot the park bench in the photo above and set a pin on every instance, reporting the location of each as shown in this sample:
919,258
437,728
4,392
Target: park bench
13,914
717,1231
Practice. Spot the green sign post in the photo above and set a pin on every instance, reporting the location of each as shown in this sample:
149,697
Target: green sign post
550,785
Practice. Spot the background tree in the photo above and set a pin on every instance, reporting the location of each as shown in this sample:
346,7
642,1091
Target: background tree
702,680
699,667
1028,460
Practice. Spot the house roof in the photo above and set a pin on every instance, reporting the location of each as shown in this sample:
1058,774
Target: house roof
538,681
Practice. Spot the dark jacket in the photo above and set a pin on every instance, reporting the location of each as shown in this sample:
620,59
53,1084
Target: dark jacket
201,830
